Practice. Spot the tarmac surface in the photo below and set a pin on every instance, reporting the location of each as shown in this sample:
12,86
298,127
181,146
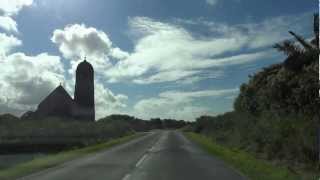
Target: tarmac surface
159,155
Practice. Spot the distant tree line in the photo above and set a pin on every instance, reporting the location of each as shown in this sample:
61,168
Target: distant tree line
56,134
142,125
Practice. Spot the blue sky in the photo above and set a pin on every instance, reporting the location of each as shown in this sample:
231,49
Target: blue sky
152,58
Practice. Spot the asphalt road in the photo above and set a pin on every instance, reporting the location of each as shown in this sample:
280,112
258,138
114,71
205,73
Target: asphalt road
162,155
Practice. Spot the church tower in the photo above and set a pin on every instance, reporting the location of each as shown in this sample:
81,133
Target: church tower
84,92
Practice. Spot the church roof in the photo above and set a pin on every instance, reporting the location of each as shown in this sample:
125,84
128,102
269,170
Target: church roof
59,94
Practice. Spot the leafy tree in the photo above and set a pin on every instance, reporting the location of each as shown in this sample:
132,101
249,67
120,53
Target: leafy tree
302,53
277,110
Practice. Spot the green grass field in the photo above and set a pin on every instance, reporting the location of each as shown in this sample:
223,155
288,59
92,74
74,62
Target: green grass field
248,165
54,160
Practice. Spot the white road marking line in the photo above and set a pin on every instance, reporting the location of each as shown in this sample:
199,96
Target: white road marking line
154,147
141,160
126,177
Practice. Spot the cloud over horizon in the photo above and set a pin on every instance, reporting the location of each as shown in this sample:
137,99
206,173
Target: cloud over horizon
179,104
166,67
26,80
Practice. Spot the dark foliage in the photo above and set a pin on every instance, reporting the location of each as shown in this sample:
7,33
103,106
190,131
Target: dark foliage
56,134
145,125
277,112
289,87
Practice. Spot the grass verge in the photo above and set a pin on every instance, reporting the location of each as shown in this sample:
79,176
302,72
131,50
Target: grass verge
247,164
54,160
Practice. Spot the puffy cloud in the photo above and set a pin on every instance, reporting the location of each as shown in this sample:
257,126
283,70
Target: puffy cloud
8,43
107,102
12,7
119,54
8,24
9,8
178,104
26,80
77,41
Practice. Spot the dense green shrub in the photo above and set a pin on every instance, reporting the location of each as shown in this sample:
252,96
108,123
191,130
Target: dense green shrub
277,112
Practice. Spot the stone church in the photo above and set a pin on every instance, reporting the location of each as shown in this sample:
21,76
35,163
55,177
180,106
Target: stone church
60,104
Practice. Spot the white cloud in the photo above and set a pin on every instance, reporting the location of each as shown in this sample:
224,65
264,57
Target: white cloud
12,7
107,102
163,52
119,54
273,30
168,52
178,104
26,80
165,77
8,43
8,24
165,49
77,41
212,2
165,108
9,8
258,35
197,94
